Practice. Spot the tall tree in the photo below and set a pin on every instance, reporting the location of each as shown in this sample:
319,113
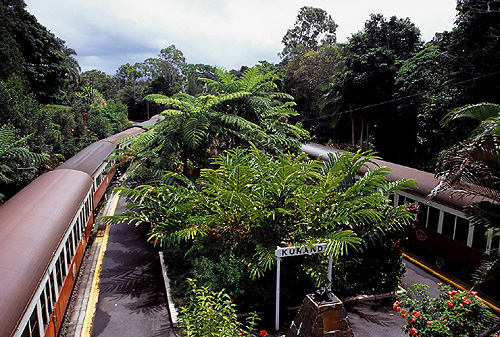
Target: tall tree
475,45
367,85
426,91
43,55
313,28
305,80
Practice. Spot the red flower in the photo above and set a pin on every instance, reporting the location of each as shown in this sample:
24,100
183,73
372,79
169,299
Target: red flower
263,332
451,303
415,315
396,306
403,313
429,322
413,332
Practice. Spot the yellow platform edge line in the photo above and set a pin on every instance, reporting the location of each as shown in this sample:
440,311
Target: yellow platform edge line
94,291
447,280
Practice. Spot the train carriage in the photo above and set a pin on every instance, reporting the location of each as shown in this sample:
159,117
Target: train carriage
441,227
44,231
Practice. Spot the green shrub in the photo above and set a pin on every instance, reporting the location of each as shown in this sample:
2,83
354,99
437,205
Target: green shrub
453,313
207,313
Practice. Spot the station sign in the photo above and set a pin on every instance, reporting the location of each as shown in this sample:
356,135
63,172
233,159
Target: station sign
282,252
300,250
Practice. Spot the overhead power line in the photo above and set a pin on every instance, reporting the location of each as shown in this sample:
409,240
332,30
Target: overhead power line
402,98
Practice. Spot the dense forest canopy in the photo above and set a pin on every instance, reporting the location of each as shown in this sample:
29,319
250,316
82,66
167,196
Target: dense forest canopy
384,89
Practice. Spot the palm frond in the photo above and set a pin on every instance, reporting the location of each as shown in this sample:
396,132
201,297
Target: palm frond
480,112
340,241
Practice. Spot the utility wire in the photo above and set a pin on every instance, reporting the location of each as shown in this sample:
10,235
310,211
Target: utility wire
401,98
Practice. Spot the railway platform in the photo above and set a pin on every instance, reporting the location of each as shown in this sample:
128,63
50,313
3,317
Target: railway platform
121,292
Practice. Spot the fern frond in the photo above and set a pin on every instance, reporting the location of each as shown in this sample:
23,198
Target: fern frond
194,131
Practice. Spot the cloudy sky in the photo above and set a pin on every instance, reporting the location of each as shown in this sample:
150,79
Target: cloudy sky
225,33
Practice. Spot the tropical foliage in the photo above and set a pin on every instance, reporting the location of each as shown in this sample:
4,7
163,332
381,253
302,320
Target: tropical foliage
239,211
213,314
14,156
472,167
196,128
313,28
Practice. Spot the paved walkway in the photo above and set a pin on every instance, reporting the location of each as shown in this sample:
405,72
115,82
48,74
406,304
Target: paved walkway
132,299
120,290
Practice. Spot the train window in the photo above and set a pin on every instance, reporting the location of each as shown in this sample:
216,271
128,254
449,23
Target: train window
80,224
32,329
448,225
422,214
43,306
391,198
85,216
433,218
67,249
401,200
71,245
64,263
495,243
53,288
76,234
49,290
59,273
462,230
479,238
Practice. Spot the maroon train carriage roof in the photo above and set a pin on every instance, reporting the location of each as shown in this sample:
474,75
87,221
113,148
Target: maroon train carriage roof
426,181
32,224
128,132
151,121
90,158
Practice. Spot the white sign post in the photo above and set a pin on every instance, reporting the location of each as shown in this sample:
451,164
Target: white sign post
295,251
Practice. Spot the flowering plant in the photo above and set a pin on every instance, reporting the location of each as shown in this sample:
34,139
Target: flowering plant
452,313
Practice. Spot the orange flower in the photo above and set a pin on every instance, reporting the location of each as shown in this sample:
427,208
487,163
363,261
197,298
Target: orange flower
415,315
403,313
396,306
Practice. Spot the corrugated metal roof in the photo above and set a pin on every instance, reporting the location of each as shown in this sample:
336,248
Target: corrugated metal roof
32,224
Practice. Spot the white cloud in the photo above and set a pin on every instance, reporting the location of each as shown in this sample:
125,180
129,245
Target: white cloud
228,33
